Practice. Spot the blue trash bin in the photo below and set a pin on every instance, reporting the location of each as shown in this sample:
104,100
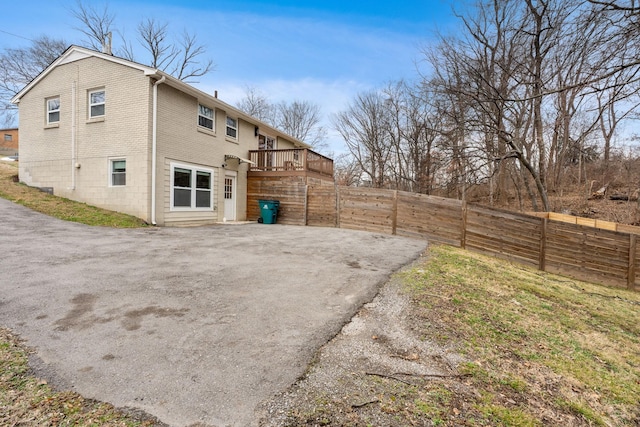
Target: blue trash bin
269,211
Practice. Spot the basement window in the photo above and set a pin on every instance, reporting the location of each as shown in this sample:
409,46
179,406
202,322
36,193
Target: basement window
118,170
191,188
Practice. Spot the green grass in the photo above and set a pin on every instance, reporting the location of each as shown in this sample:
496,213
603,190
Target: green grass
532,349
59,207
534,335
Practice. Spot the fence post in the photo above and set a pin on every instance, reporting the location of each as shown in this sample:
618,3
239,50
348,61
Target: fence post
542,260
631,275
394,213
305,215
463,231
337,206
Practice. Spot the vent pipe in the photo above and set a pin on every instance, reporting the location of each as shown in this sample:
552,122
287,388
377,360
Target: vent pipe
106,44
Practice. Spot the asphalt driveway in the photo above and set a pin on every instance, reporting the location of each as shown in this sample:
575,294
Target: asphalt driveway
192,325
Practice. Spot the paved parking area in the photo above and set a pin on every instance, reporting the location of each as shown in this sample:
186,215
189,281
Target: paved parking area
192,325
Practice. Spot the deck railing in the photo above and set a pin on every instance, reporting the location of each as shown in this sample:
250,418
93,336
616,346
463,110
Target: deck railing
290,160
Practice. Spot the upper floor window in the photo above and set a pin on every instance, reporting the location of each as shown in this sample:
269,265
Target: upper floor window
232,127
8,137
118,172
97,99
53,110
205,116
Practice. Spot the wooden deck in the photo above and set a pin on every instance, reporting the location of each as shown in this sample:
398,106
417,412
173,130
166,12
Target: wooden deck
290,162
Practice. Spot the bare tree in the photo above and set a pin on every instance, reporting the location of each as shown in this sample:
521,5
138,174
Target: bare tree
362,126
346,170
257,105
181,56
19,66
413,127
302,120
188,64
95,23
154,38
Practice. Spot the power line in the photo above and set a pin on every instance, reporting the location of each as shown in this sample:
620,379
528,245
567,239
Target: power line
15,35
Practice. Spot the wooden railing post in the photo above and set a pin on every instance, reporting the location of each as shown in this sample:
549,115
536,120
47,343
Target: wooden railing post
306,205
631,275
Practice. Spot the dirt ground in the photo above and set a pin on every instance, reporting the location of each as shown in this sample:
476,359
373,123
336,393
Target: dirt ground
378,343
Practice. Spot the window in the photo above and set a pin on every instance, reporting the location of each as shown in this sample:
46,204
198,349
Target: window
191,188
205,116
228,188
118,172
53,110
97,100
8,137
232,127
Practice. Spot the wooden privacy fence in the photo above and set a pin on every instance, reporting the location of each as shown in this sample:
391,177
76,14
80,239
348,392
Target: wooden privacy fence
580,251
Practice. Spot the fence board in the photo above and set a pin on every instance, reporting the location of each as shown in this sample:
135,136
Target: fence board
588,253
321,206
430,217
580,248
507,234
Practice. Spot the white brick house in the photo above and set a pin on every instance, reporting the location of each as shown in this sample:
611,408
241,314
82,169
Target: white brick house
123,136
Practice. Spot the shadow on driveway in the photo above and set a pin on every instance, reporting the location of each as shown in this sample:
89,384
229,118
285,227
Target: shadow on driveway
192,325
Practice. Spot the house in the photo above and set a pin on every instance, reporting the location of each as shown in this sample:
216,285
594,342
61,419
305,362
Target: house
127,137
9,142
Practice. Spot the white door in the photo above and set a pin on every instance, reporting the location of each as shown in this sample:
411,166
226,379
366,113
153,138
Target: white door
230,196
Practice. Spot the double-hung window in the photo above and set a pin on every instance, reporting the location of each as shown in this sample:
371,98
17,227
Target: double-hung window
191,188
232,127
53,110
97,101
205,117
118,172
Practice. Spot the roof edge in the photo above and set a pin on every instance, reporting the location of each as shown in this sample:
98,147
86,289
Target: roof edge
76,53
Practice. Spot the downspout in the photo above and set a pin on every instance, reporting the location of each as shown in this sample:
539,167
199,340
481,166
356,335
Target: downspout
154,145
73,136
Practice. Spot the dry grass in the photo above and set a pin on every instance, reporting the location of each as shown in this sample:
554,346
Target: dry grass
523,348
59,207
542,349
28,401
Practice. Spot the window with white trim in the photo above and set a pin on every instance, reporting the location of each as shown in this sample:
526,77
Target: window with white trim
53,110
97,101
191,188
232,127
205,117
118,172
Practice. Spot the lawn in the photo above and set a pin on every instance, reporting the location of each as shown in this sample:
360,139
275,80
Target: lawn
533,349
59,207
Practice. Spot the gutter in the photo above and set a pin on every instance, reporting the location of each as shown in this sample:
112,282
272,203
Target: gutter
154,147
74,164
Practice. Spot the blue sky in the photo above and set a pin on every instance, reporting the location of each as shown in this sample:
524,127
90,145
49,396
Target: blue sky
322,51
